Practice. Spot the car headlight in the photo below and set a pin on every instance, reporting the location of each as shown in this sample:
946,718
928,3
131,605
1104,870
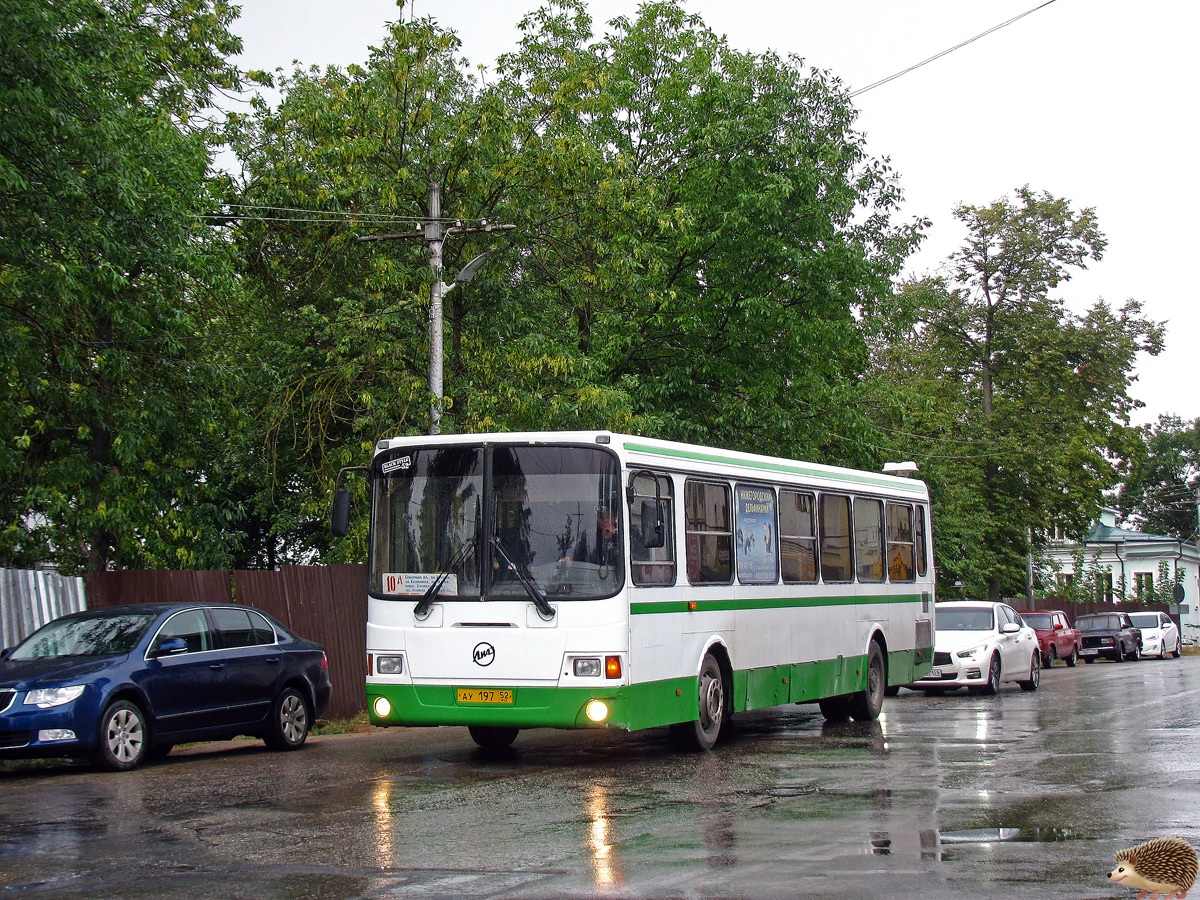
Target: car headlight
44,698
970,653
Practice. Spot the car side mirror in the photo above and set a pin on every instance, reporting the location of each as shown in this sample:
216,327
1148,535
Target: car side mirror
6,653
1058,626
172,646
1010,628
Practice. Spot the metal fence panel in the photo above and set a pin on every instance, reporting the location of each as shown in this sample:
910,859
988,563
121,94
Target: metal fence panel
30,598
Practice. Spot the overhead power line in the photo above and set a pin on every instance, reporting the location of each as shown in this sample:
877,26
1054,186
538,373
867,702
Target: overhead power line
946,52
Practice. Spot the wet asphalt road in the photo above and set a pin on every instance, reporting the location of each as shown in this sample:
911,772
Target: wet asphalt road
1018,795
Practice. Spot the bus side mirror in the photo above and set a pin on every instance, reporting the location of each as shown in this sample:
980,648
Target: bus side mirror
654,532
341,512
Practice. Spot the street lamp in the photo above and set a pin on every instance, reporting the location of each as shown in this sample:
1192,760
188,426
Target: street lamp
437,293
434,234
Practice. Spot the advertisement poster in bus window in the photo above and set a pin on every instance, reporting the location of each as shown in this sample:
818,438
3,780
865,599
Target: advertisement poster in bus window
757,551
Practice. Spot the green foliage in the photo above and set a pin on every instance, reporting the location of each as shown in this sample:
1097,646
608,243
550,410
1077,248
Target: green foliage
1025,405
700,239
103,274
1156,495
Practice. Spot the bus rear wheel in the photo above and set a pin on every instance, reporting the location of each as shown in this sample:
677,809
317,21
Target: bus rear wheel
866,705
493,737
702,734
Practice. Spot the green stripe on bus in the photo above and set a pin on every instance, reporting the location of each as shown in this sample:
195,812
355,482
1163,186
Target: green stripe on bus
643,608
789,468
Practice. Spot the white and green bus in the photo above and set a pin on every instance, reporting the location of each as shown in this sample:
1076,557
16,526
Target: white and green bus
595,579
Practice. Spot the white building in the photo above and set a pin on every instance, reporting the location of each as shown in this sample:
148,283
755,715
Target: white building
1129,566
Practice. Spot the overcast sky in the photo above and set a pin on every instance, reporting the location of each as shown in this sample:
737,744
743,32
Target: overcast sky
1091,100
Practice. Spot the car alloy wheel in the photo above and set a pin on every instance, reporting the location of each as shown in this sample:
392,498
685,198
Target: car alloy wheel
124,737
289,721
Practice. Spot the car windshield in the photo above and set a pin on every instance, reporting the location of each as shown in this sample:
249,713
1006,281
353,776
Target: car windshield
1039,621
965,619
1144,620
1098,623
90,635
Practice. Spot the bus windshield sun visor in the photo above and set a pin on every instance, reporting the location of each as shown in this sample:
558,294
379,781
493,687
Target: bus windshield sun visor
545,610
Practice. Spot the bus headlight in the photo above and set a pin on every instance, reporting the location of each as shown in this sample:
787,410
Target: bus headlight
587,667
597,710
382,707
389,665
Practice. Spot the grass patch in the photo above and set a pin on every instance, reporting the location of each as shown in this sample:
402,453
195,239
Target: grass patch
357,725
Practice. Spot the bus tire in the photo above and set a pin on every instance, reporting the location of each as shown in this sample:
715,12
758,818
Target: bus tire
865,705
702,734
835,709
493,737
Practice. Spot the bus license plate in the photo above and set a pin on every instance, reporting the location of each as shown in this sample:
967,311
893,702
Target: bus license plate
502,696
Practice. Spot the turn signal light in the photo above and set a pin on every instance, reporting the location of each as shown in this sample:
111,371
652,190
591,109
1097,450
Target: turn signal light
612,667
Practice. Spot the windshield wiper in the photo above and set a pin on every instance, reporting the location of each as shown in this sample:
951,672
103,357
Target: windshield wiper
421,610
545,610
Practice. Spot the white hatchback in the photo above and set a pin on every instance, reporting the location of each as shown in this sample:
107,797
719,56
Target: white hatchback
1160,634
980,645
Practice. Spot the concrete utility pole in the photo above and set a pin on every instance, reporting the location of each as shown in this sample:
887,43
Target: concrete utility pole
434,234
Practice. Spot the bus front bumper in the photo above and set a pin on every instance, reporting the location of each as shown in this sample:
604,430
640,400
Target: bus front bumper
627,707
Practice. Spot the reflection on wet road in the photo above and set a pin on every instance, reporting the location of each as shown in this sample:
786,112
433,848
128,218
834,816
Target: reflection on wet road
1018,795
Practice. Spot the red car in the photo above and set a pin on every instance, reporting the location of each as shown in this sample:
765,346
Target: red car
1055,635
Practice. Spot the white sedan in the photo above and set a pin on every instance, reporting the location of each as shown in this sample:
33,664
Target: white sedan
980,645
1160,634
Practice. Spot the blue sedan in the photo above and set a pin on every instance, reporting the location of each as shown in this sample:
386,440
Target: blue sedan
116,685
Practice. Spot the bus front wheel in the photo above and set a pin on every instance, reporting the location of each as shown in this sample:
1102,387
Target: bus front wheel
493,737
702,734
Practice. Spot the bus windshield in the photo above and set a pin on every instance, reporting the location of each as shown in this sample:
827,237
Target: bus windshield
486,522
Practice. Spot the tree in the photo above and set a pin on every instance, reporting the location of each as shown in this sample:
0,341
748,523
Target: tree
1156,496
700,239
104,273
1025,406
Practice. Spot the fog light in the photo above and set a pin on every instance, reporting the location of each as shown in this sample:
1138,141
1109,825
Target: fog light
597,710
383,707
55,734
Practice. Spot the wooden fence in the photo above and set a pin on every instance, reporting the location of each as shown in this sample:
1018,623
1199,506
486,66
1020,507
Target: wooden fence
327,604
1074,610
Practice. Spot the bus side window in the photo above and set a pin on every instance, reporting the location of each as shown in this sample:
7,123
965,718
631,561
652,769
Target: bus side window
868,538
919,542
651,565
798,536
837,557
900,542
709,523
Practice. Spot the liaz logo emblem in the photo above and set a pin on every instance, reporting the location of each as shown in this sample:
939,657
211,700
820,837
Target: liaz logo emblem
402,463
484,654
